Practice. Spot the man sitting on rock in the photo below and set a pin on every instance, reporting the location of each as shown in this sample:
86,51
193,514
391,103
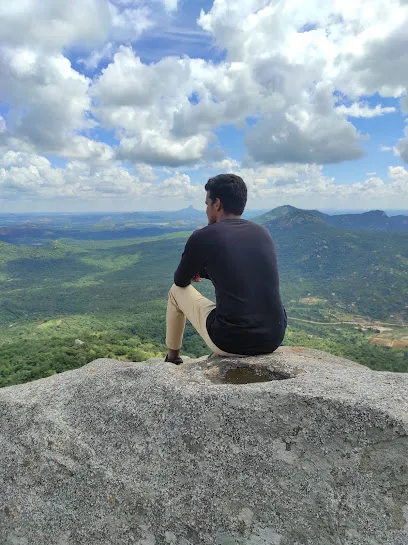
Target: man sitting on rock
239,257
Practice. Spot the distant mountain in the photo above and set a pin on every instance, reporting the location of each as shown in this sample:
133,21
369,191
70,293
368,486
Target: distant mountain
35,229
375,220
287,217
189,214
363,270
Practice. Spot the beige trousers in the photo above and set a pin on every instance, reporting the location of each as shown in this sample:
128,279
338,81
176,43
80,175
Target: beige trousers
188,303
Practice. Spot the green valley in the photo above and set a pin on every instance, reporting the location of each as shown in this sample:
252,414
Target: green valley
68,300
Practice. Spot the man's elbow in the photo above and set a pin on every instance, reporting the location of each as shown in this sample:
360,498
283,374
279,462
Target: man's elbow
181,282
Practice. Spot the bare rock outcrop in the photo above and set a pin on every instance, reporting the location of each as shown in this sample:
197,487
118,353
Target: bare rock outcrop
294,448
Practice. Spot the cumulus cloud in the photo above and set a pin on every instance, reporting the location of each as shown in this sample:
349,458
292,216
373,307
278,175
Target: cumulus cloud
92,61
401,148
86,149
362,109
49,98
29,175
51,24
307,133
154,148
381,68
134,99
293,78
306,186
130,22
359,50
177,186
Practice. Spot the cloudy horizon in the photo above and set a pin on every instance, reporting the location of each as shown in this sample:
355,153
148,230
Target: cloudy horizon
120,105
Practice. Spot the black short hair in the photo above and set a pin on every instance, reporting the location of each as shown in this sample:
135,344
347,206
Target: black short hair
231,190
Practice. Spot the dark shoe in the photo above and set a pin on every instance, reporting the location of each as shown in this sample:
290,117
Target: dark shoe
177,361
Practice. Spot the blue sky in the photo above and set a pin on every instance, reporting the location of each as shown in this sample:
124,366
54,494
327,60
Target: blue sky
133,104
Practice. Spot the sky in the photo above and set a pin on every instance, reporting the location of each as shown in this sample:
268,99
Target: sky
122,105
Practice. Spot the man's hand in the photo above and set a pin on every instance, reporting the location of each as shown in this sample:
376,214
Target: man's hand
196,278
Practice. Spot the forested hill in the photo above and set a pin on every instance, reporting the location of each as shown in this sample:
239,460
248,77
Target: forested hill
368,271
374,220
69,300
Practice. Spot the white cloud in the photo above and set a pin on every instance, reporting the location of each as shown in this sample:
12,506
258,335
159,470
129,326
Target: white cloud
307,133
226,165
144,104
49,98
401,148
177,186
306,186
92,61
358,50
145,172
3,131
152,147
286,65
171,5
385,148
380,67
129,23
24,174
28,176
51,24
362,109
86,149
399,177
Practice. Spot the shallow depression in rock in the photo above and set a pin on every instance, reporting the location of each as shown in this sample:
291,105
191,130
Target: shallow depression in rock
247,375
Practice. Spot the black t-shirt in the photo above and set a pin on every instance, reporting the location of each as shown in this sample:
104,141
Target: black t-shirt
239,257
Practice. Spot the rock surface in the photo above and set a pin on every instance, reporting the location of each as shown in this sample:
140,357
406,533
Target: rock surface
150,453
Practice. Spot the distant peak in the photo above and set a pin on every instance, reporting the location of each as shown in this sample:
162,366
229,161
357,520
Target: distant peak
296,217
276,213
376,213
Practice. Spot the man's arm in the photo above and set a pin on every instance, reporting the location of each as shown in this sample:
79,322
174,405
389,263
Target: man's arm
192,262
202,273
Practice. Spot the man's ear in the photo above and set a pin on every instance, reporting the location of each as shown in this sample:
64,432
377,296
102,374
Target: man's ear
218,204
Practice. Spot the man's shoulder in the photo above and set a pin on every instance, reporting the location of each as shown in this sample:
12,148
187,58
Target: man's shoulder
256,228
201,234
214,229
205,231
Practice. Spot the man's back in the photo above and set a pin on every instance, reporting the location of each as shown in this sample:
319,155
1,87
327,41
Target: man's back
239,257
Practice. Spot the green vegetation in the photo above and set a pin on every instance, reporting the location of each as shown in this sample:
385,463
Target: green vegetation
70,301
354,271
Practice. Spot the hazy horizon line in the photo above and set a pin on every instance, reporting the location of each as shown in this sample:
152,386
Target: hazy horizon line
111,212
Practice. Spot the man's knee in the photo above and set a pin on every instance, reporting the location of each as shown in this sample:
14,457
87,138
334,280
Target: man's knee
174,290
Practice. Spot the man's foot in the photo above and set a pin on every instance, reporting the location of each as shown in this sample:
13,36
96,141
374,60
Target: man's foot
177,360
